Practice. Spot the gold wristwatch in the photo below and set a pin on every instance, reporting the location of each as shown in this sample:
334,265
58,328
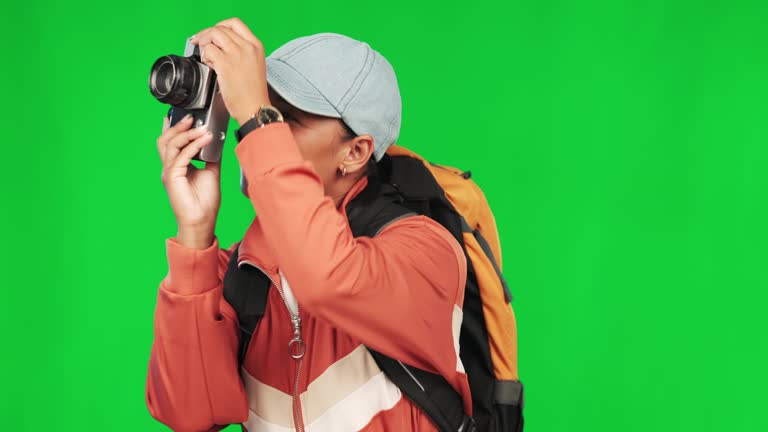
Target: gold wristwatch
267,114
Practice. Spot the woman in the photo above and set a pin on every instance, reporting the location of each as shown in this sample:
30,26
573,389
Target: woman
399,293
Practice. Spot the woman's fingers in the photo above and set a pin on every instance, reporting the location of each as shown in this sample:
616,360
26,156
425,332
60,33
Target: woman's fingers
183,138
184,158
170,132
218,37
239,27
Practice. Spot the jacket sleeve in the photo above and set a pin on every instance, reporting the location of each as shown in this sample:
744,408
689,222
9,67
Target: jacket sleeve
193,383
399,293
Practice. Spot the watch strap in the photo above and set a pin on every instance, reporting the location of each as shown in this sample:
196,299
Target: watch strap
247,127
267,114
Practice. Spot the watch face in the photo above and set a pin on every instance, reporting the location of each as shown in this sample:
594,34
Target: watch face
268,114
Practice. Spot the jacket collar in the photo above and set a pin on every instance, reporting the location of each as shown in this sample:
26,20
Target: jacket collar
253,247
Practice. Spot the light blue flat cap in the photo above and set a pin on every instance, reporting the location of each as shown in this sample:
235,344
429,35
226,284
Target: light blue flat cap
336,76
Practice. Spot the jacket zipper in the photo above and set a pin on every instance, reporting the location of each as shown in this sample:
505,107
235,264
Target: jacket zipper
296,348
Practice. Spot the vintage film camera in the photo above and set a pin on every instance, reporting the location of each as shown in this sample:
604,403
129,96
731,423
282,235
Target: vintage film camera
190,87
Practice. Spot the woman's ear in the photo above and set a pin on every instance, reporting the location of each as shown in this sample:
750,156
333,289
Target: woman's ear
360,150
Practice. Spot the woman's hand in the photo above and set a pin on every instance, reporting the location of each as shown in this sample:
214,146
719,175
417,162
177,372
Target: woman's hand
237,56
194,193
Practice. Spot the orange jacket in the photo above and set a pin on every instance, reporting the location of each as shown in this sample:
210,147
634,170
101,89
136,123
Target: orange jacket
399,293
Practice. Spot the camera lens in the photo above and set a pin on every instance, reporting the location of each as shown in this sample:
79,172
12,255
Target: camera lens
174,80
164,79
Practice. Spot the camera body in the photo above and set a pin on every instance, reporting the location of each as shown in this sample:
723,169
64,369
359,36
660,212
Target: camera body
191,87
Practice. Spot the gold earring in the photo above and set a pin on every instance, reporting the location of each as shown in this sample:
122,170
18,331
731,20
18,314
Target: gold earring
343,171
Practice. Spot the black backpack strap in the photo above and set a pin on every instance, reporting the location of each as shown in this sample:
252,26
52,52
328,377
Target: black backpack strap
245,289
378,205
486,247
431,392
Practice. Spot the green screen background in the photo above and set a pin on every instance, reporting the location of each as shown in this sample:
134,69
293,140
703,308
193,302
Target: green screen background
622,146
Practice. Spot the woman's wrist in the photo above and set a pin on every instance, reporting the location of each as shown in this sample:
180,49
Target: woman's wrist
195,238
